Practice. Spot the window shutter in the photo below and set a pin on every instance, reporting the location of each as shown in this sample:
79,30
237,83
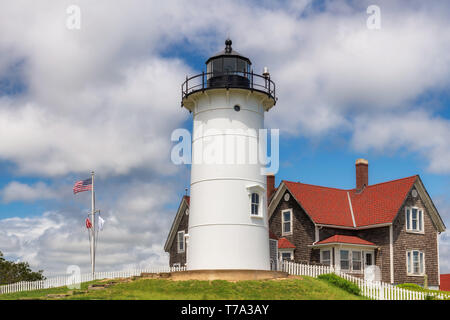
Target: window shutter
408,219
408,261
420,220
421,263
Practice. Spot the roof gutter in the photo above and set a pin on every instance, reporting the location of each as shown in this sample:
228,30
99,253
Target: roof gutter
342,243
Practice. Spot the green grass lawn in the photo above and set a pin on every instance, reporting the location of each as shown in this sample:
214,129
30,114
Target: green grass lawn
306,288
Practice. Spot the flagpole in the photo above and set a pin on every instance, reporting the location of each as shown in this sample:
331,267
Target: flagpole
93,227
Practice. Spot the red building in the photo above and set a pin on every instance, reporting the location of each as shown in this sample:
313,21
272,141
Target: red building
445,282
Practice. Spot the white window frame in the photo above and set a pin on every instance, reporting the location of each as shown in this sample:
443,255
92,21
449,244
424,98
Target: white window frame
176,265
178,242
281,251
258,204
409,220
321,256
283,222
361,261
350,251
410,267
348,259
261,193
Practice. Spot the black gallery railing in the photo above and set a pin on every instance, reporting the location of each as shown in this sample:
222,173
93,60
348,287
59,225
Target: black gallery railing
233,79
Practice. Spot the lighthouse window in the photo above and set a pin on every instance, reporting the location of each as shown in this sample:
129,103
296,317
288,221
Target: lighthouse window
255,204
241,66
229,65
237,108
217,67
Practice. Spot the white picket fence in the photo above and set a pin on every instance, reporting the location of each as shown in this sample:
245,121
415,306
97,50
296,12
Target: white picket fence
376,290
371,289
65,280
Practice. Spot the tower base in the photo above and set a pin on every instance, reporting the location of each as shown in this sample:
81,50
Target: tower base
229,275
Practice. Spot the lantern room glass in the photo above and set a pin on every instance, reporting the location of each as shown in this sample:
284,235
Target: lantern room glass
227,66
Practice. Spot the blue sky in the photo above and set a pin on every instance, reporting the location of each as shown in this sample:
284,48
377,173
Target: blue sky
106,97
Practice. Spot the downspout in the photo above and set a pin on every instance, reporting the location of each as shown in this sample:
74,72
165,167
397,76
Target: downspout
316,234
391,251
439,267
186,240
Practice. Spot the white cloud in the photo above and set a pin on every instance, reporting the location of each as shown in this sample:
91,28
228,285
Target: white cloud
135,230
107,97
16,191
112,130
415,131
443,205
108,81
444,252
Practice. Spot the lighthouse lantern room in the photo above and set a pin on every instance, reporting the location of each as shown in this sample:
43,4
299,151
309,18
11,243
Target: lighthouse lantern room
228,223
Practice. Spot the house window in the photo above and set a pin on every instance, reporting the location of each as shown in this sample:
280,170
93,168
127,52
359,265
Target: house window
414,219
415,261
345,261
286,223
176,265
356,260
325,257
287,255
255,204
180,241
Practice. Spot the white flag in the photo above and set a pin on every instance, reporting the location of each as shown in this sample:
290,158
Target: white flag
101,222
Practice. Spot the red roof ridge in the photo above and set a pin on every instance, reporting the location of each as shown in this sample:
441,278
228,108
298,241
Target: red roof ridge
353,189
314,185
339,238
377,184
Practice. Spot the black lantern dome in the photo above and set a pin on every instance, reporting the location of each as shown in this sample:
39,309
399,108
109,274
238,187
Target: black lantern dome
230,70
228,67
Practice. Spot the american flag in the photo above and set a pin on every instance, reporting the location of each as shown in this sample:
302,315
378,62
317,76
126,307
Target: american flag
82,185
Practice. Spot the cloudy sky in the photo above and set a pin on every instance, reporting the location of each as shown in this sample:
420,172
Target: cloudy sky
106,97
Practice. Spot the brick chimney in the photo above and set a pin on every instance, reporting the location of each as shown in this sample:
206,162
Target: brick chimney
362,173
270,185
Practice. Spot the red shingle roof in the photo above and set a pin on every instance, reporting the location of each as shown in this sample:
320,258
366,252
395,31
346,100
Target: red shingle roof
324,205
445,282
380,203
346,239
376,204
284,243
272,235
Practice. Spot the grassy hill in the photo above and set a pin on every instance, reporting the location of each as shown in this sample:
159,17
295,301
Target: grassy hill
298,288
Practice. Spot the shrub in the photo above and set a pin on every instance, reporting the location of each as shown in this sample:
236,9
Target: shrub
341,283
411,286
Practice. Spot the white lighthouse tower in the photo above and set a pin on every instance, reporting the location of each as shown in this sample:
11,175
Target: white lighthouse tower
228,223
